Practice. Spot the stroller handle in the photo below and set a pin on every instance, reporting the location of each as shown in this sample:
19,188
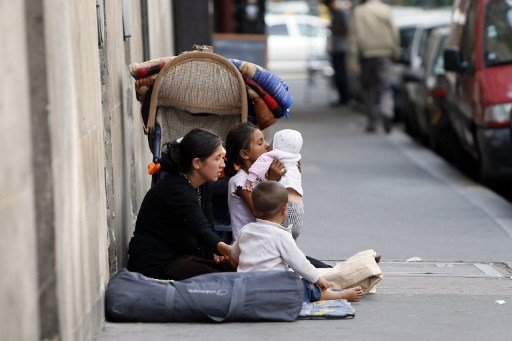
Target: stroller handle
157,136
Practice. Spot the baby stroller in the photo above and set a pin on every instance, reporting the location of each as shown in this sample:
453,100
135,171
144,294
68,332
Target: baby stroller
197,89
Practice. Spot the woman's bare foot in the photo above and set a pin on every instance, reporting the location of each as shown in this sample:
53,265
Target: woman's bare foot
352,294
377,258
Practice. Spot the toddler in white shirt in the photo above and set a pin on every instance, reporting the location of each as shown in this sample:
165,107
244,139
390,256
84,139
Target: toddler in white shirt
267,245
286,147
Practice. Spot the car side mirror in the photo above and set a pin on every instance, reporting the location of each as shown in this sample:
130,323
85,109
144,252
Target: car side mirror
453,60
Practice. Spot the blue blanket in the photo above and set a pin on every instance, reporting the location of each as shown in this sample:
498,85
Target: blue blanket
271,83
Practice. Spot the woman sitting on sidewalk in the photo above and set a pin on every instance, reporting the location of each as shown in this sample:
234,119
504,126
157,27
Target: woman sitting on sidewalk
173,237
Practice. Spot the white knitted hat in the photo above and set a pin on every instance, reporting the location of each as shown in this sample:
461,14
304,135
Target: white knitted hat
288,140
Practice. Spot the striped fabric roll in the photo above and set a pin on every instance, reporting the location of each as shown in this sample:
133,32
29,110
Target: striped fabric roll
271,83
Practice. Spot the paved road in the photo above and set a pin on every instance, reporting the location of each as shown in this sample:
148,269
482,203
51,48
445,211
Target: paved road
385,192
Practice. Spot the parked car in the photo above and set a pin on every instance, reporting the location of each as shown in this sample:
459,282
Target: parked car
412,59
479,57
296,43
441,136
409,21
430,106
420,84
431,20
406,19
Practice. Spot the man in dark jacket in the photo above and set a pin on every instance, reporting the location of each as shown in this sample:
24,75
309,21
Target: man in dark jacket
338,47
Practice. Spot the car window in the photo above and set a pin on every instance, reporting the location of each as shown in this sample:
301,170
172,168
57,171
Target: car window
308,30
429,52
498,33
277,30
439,62
428,48
423,41
406,35
406,38
467,46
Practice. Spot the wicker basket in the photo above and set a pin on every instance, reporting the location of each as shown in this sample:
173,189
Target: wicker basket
197,90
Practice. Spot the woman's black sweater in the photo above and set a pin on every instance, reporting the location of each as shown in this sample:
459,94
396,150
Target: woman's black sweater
171,223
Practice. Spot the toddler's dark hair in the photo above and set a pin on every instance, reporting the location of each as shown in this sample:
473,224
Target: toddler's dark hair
268,198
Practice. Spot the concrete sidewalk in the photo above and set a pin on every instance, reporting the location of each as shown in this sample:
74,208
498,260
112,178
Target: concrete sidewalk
387,315
405,307
385,192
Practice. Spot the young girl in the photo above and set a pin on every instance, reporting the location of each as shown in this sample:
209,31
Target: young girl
286,147
244,144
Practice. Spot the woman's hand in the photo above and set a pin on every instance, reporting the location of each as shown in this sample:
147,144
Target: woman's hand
224,249
276,170
220,259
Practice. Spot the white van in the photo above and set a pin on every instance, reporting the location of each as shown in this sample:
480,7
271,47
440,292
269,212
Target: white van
294,41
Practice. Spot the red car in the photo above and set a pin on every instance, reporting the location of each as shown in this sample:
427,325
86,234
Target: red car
479,57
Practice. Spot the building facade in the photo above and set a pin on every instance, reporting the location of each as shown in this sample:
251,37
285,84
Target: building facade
73,156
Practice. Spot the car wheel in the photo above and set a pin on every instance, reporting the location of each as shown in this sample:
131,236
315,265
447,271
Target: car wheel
407,117
487,174
438,132
434,141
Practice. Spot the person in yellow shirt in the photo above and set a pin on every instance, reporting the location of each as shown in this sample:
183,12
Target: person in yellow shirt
374,44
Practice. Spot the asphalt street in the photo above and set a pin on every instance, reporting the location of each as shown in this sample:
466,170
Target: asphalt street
387,193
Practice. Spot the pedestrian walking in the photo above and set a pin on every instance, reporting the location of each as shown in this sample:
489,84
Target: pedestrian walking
338,46
374,44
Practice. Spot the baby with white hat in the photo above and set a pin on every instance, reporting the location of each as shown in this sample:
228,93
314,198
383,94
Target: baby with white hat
286,148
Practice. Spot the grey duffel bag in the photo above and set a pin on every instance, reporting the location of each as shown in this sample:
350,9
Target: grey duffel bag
223,296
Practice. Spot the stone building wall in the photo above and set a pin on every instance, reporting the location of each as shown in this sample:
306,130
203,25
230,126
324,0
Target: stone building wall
73,157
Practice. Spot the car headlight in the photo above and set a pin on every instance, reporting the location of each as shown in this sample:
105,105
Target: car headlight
498,115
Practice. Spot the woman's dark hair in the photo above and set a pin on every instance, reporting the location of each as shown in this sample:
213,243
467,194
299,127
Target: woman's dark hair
178,156
238,138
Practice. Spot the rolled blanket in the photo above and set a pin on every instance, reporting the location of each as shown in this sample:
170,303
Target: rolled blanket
148,68
273,84
265,96
142,86
360,269
263,116
146,81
